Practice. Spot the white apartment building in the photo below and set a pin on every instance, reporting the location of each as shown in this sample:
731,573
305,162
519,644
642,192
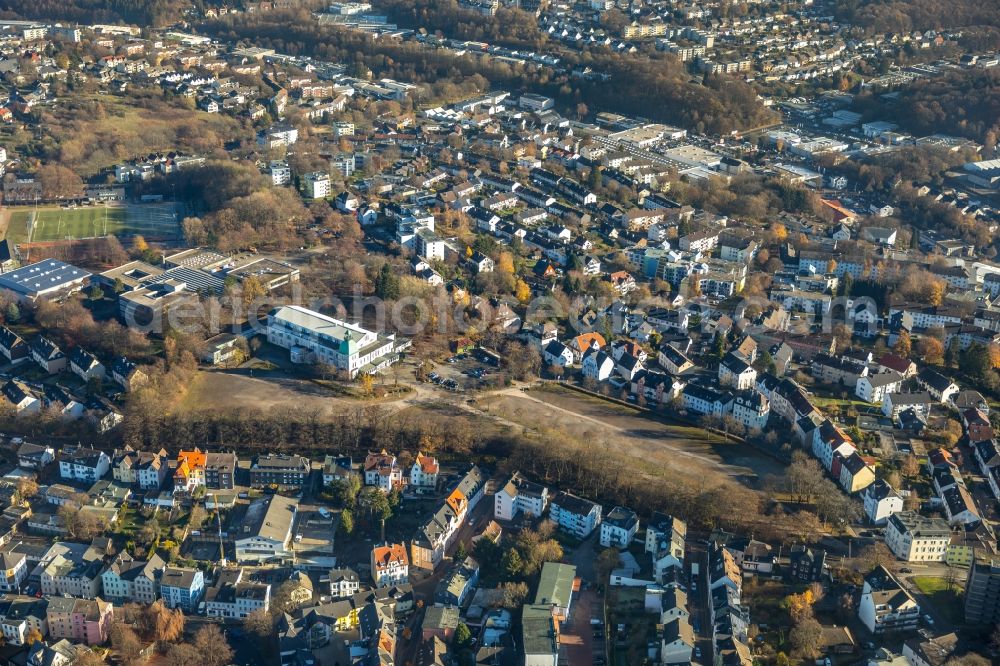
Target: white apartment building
575,515
281,173
520,495
312,337
619,527
317,185
913,538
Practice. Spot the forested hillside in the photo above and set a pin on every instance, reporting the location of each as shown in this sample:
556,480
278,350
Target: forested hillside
139,12
908,15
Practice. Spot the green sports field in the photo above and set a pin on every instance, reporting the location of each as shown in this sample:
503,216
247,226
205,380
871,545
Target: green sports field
57,223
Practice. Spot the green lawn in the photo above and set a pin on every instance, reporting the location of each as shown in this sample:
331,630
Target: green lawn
57,223
947,601
62,223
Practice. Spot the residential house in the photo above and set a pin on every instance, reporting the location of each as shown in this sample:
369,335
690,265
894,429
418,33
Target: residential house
856,473
673,360
575,515
707,400
12,346
21,398
584,343
35,456
873,388
937,385
557,354
80,620
806,565
129,580
281,470
842,370
736,372
337,468
146,470
196,468
343,583
390,564
881,501
182,587
618,528
597,365
886,607
232,597
676,642
128,374
85,365
382,470
893,404
82,464
425,470
47,354
15,570
665,542
456,588
21,616
895,363
914,538
519,495
751,409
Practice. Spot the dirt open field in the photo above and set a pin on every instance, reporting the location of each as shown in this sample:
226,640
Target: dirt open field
626,433
219,390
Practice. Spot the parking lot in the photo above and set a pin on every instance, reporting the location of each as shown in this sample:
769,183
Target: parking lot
463,372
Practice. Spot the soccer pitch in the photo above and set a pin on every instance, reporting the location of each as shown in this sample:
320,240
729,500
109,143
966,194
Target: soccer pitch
56,223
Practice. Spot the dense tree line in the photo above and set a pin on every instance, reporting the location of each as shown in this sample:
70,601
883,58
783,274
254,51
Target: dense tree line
140,12
908,15
654,85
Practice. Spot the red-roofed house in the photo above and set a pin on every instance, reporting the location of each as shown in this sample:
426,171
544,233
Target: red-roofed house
903,366
424,473
389,564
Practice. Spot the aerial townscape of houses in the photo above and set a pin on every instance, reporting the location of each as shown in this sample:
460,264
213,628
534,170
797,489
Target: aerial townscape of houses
790,295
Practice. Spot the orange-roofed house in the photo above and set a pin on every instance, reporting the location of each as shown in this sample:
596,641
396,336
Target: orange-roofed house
190,471
458,503
840,213
390,564
424,473
584,342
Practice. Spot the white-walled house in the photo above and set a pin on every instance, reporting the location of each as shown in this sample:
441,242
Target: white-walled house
873,388
425,470
598,365
575,515
390,564
885,605
520,495
618,528
881,501
736,372
556,353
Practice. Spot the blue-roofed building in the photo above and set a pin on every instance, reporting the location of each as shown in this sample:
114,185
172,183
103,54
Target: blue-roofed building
45,279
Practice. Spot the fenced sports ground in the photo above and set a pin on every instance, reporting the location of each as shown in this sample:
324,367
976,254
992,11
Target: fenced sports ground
159,221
